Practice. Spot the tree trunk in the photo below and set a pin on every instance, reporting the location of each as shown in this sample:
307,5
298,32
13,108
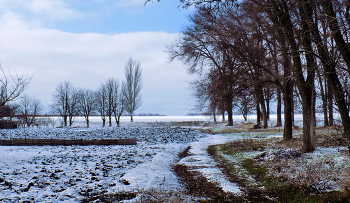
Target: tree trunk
309,136
287,95
70,120
330,104
131,118
110,120
65,120
258,115
214,116
287,83
87,122
223,116
324,99
267,109
229,113
245,116
103,122
305,86
279,107
288,109
267,99
264,114
118,121
260,96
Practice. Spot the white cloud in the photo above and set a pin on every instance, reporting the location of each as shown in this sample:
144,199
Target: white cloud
53,9
89,59
38,12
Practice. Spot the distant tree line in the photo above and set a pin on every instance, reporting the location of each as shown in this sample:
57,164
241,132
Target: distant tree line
149,114
249,52
110,100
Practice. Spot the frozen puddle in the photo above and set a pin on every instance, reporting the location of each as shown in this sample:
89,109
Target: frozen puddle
201,160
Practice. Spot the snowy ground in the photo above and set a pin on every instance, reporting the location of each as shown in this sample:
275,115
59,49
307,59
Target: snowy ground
71,173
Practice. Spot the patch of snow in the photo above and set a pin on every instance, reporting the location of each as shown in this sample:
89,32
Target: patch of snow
71,173
206,165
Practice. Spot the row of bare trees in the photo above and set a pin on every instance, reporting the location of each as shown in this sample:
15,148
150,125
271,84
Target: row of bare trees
246,51
110,100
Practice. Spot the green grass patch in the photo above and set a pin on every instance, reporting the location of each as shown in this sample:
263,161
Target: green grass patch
252,176
232,148
188,123
222,130
231,130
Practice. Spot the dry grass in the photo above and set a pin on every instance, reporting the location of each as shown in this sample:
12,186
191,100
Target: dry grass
197,185
185,153
109,198
151,196
281,173
222,130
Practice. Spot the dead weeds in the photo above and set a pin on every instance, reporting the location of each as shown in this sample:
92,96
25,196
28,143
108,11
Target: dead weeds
282,174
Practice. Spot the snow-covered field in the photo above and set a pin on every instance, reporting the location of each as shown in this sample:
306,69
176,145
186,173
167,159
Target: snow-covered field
71,173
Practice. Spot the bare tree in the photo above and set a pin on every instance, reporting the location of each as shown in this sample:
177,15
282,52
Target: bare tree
29,109
119,104
12,86
111,87
73,106
65,102
299,35
133,86
86,104
101,103
110,101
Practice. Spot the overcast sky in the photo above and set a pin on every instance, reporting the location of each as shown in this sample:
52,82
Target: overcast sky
87,41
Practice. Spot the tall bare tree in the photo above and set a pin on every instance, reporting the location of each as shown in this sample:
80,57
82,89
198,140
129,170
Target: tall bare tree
86,104
133,86
109,100
112,87
65,102
306,32
119,104
102,103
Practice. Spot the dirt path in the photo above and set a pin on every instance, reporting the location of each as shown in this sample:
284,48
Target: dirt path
205,164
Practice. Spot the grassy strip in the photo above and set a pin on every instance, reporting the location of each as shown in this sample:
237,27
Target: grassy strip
265,188
199,186
214,131
230,130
